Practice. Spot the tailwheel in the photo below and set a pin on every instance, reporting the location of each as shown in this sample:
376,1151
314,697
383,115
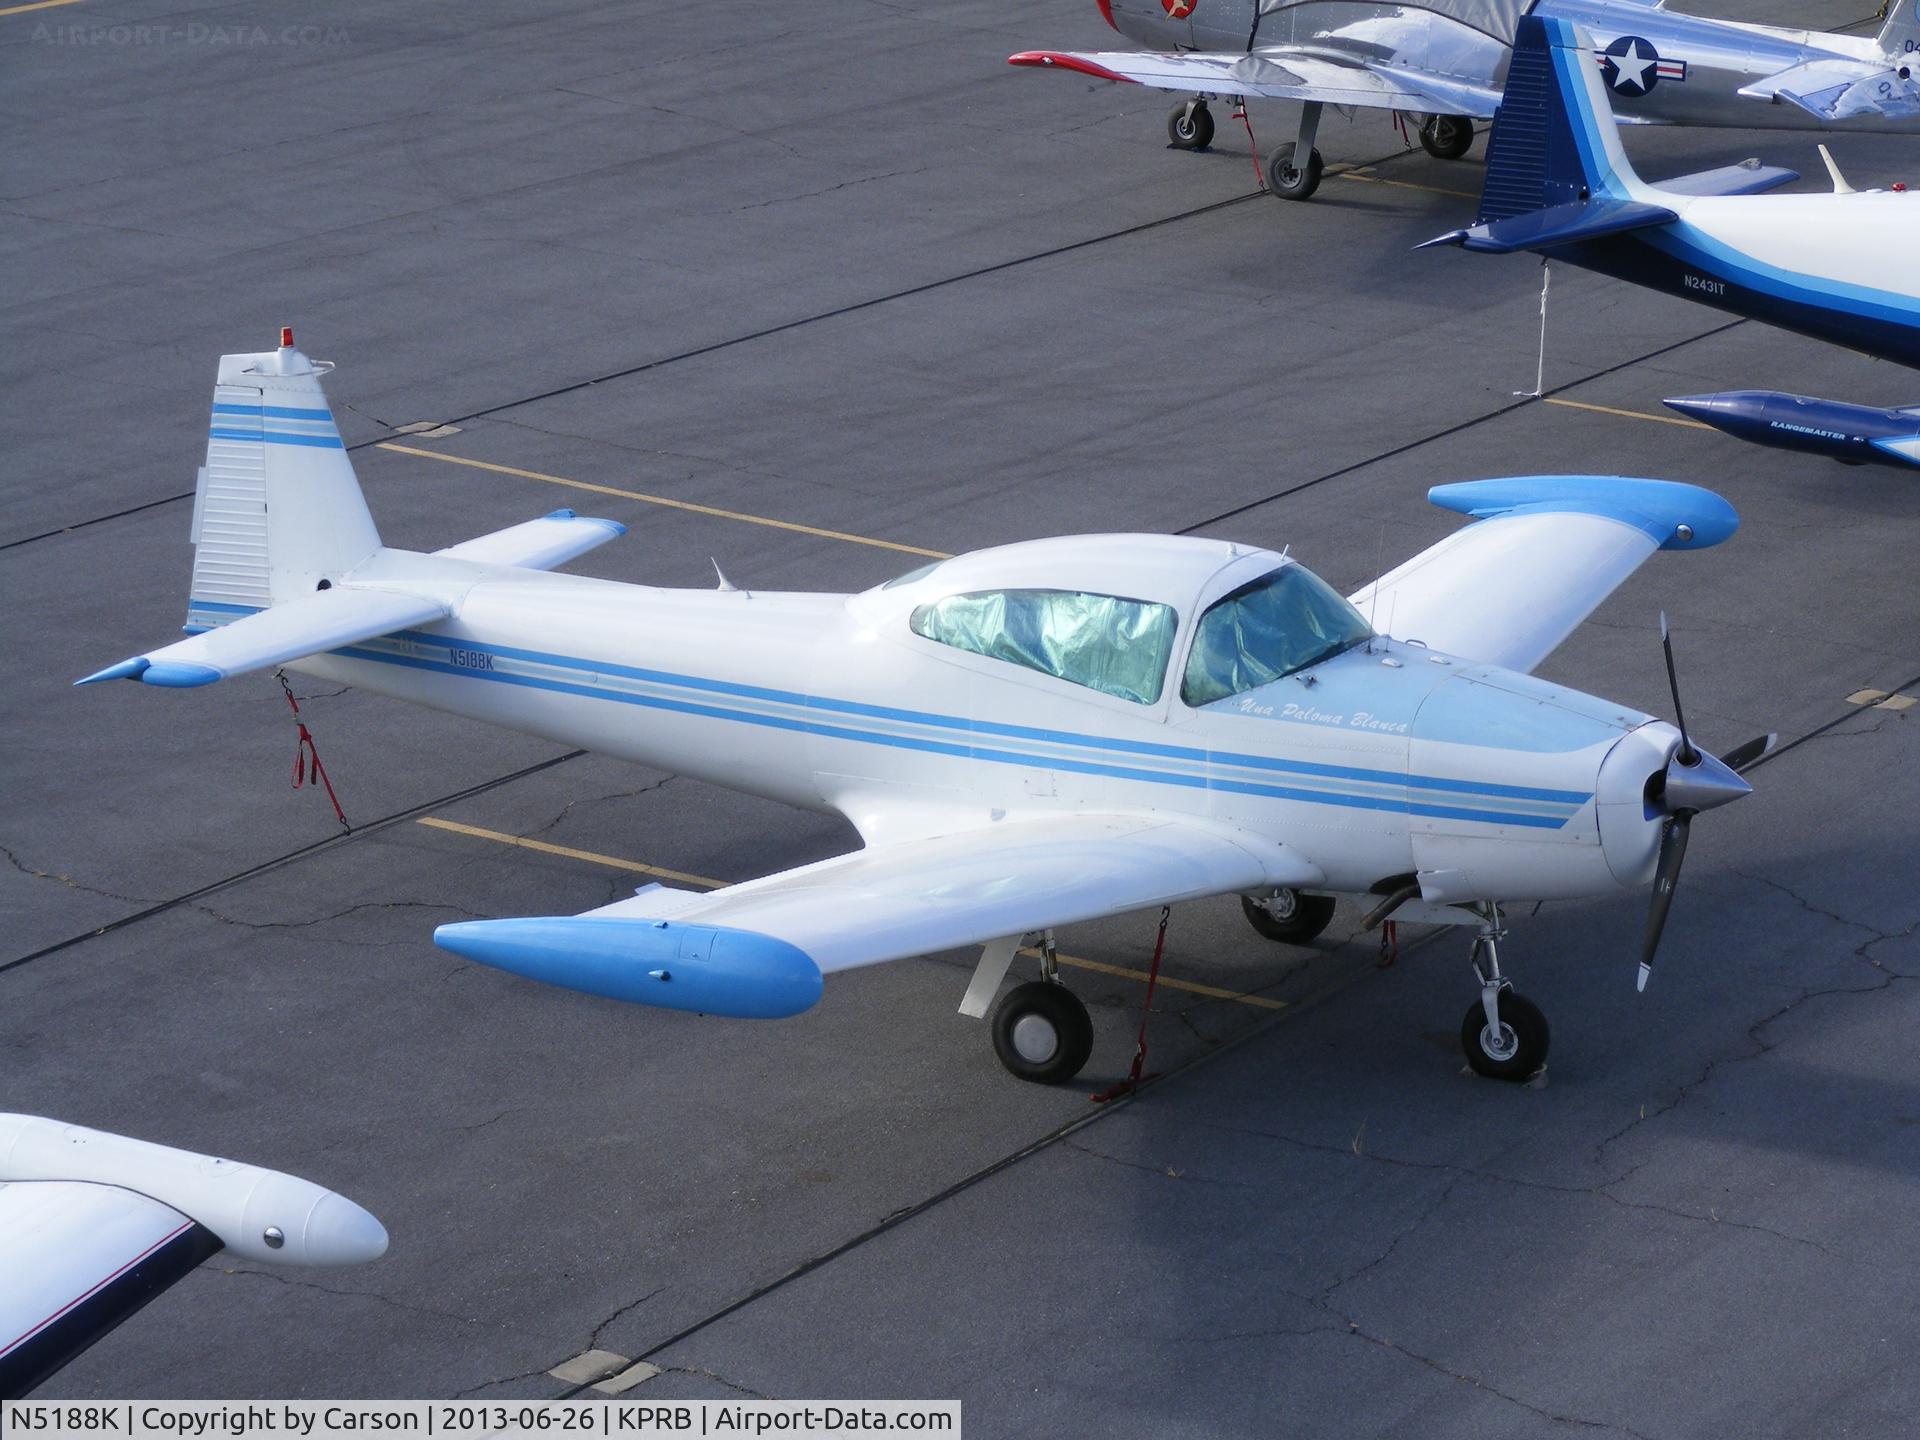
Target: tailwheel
1042,1032
1288,916
1446,137
1190,126
1290,181
1516,1049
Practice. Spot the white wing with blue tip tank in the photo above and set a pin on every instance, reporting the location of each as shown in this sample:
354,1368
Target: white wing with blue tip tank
1545,551
739,951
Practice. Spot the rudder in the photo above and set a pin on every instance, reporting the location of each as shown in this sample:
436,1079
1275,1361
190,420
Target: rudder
1900,36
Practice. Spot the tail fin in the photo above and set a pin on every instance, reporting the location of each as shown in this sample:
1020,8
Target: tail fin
1900,36
277,508
1554,138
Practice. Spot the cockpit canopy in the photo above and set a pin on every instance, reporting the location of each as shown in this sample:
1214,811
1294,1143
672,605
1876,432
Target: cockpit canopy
1277,623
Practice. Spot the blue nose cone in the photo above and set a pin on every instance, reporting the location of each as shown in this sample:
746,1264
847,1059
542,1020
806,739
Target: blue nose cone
704,968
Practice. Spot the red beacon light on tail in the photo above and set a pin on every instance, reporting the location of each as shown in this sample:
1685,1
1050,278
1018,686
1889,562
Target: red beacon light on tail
286,337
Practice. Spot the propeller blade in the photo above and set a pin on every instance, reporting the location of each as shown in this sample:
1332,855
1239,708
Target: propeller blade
1686,754
1673,850
1755,750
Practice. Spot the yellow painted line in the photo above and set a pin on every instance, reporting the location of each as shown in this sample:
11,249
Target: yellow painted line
666,501
1626,414
1881,700
37,5
1372,179
1866,697
1212,992
1897,702
569,853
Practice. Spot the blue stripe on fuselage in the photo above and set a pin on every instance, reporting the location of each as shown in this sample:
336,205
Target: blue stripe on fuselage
965,748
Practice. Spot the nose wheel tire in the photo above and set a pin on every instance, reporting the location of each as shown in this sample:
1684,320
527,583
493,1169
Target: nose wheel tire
1042,1032
1288,916
1446,137
1519,1049
1190,127
1290,181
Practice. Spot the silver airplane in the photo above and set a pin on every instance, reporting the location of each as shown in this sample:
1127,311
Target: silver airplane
1445,61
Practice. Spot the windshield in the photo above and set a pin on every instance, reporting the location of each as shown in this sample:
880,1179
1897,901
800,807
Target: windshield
1285,621
1116,646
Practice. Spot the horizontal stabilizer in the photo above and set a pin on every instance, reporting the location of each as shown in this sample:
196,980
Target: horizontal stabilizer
1840,89
1556,225
541,544
1548,549
1749,177
309,626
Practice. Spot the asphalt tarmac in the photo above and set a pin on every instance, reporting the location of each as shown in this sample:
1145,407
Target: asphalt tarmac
838,275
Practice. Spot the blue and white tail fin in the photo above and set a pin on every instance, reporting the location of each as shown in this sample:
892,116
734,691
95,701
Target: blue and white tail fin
277,508
1554,138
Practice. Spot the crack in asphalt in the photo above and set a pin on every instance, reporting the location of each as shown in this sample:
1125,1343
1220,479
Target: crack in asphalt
593,1342
68,881
375,1296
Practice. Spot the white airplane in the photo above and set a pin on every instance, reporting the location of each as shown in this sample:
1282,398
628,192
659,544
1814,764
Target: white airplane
93,1226
1024,737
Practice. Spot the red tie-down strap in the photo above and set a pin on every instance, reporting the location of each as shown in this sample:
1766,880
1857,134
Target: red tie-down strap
306,756
1132,1082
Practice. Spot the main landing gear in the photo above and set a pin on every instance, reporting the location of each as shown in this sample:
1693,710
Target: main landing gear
1446,137
1297,181
1041,1030
1190,125
1504,1033
1288,916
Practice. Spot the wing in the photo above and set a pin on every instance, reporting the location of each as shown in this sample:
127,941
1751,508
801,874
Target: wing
1546,550
1835,89
1277,73
93,1226
309,626
541,544
759,949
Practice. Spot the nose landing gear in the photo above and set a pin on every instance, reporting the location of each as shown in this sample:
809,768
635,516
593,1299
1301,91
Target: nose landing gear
1504,1033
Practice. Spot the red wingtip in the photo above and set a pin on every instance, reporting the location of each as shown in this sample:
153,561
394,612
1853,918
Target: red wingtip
1059,60
286,337
1106,13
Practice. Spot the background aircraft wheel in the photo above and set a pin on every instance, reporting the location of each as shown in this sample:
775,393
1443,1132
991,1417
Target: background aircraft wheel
1190,127
1041,1032
1288,916
1447,137
1289,181
1518,1050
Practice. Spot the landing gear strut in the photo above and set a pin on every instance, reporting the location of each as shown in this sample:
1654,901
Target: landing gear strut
1291,181
1446,137
1190,125
1504,1034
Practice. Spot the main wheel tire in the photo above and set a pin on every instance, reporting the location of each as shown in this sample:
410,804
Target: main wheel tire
1190,127
1520,1049
1446,137
1289,181
1288,916
1042,1032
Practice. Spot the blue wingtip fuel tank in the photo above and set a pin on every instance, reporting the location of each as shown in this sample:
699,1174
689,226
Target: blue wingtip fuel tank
1852,434
703,968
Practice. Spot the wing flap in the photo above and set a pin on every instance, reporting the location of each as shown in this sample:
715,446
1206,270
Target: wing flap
541,544
309,626
758,949
1546,550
